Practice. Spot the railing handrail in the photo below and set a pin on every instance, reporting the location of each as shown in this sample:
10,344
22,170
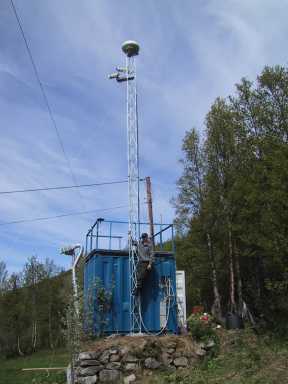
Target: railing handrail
94,233
163,230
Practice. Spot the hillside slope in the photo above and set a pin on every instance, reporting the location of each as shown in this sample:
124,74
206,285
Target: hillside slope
243,358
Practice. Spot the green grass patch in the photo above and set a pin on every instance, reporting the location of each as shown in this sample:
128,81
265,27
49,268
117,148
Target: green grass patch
11,369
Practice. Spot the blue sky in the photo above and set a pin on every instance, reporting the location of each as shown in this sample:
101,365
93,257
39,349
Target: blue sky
191,52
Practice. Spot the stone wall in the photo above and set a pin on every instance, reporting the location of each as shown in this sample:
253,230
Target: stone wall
124,359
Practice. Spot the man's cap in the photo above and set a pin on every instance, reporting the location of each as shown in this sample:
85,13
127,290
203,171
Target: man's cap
144,236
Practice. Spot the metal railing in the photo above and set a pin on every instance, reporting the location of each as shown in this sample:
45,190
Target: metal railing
113,234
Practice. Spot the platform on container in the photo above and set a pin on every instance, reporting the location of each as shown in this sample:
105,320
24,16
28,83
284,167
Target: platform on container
122,252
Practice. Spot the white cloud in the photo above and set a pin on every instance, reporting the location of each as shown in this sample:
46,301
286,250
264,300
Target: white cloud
191,52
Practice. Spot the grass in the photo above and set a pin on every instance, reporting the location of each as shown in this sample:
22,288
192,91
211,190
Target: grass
11,369
244,358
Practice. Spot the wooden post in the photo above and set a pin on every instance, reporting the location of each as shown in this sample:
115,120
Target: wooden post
44,369
150,208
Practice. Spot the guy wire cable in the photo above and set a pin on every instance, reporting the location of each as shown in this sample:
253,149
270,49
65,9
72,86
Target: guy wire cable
45,98
62,187
60,216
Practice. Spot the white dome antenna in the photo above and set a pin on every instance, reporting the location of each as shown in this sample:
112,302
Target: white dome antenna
131,48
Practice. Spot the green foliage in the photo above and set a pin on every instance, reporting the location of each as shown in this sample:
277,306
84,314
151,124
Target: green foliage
201,330
104,300
234,187
191,256
73,330
243,358
98,303
34,304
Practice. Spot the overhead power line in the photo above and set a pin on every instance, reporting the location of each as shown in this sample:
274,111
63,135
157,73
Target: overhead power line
45,98
61,216
62,187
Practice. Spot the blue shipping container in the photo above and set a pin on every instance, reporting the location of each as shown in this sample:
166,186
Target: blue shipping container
107,293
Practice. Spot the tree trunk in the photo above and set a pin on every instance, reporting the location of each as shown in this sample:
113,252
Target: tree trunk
34,335
18,347
231,272
258,279
217,299
50,329
239,280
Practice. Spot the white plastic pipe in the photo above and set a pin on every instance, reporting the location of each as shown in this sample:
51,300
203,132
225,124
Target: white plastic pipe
74,279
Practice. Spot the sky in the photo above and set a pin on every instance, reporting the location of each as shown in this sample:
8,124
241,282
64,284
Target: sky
190,53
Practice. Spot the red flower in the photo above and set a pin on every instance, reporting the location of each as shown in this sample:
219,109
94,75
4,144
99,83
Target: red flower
197,309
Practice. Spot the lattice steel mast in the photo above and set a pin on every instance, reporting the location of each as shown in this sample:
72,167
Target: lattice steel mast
128,75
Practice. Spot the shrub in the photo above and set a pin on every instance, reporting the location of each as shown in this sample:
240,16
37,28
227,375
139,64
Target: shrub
201,328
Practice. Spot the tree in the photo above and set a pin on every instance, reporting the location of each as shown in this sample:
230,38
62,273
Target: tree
242,199
221,150
190,202
3,277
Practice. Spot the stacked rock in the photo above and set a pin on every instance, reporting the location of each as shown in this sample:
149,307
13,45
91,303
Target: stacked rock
124,362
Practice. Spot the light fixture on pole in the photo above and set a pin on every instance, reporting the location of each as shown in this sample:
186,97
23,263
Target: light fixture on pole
71,250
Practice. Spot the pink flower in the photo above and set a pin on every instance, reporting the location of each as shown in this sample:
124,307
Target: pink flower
204,317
